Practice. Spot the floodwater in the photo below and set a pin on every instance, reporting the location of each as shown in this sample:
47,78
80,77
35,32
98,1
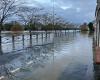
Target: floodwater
68,56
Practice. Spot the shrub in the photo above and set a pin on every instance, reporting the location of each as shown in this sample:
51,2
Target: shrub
17,27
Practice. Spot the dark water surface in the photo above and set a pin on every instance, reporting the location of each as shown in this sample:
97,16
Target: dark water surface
68,57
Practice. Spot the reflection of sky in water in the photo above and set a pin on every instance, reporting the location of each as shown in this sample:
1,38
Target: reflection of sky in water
68,57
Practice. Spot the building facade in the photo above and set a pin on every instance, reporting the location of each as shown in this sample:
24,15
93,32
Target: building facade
97,32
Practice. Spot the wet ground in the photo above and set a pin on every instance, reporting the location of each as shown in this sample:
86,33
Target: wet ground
67,56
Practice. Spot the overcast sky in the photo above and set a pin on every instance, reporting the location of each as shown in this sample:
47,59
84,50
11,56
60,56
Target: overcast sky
76,11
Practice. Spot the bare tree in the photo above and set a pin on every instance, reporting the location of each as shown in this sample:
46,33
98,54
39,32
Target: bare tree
46,18
29,15
7,9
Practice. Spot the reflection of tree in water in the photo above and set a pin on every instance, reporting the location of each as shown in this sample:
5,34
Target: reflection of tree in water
67,38
28,62
35,57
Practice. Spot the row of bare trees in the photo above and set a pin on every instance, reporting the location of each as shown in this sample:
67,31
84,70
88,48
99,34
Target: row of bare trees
14,10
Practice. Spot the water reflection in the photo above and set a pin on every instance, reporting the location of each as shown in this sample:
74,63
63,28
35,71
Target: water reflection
59,56
74,72
97,71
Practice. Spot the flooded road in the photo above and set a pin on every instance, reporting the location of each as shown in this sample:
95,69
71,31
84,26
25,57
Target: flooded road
68,57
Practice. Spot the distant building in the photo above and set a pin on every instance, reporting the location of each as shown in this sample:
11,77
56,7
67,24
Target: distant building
84,27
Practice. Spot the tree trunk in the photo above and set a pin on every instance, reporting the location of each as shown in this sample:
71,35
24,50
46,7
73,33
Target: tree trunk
1,52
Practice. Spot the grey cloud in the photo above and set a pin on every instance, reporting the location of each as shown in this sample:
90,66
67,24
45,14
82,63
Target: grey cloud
85,13
76,11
